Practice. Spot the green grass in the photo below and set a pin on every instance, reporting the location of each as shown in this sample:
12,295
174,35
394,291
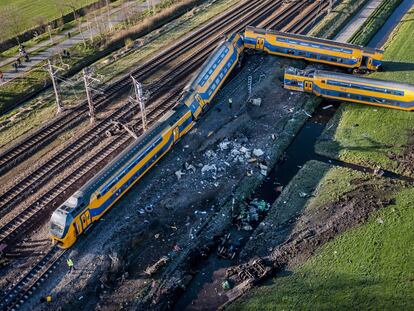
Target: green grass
374,22
337,19
366,135
31,12
368,267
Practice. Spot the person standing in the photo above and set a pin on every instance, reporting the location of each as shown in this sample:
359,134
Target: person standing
71,266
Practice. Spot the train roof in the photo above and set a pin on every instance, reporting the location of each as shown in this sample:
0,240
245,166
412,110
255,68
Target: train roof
376,82
324,41
121,160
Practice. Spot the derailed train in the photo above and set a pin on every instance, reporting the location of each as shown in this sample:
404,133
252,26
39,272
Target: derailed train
89,204
324,51
339,86
96,197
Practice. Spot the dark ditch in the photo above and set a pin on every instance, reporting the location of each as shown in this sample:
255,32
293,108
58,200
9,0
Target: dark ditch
382,35
212,271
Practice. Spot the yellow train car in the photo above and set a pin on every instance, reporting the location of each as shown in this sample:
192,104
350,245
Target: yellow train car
95,198
313,49
213,73
350,88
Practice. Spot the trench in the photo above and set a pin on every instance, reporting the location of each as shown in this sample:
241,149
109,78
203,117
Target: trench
199,295
379,39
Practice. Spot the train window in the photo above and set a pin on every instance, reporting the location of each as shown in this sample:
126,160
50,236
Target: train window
291,52
311,55
323,81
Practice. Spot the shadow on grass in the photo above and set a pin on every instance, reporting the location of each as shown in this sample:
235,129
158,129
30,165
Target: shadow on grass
338,291
397,66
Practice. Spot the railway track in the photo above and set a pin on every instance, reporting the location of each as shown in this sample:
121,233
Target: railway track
65,157
25,287
44,135
32,280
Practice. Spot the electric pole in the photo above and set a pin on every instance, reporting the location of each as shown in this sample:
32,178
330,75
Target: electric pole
141,102
89,96
55,87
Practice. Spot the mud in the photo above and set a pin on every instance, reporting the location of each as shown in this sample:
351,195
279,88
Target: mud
405,161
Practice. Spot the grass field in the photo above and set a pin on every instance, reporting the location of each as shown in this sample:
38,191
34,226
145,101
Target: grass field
367,268
30,13
366,135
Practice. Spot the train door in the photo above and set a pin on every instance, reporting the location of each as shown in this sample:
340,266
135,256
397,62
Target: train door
308,86
365,61
78,227
86,219
260,43
200,100
176,133
369,63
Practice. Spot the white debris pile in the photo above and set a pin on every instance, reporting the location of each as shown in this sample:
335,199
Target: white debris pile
228,153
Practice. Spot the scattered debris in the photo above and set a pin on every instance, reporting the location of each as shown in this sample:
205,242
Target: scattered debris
263,169
208,168
303,195
190,167
179,174
327,107
256,102
258,152
226,285
224,145
157,266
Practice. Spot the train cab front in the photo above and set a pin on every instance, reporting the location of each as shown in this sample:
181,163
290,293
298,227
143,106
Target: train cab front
61,228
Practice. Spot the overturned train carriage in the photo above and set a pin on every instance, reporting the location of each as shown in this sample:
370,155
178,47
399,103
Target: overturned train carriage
351,88
89,203
313,49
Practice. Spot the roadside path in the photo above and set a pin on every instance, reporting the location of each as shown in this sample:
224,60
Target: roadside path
89,29
356,22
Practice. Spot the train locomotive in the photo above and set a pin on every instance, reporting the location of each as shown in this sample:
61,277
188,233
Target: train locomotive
313,49
351,88
89,203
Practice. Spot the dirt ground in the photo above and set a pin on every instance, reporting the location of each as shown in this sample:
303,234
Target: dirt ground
161,215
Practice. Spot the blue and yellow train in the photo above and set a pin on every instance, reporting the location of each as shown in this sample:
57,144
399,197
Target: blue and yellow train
90,203
351,88
313,49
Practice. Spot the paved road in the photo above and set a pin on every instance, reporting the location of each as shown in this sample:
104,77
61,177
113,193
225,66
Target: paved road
356,22
116,15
